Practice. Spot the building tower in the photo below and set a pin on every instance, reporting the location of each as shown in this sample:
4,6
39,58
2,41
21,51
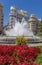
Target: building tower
1,19
22,14
33,24
12,16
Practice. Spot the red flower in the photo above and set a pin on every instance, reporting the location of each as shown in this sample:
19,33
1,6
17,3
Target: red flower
1,59
36,64
13,60
20,52
6,59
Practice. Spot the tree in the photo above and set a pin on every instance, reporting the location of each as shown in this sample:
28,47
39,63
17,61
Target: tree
40,28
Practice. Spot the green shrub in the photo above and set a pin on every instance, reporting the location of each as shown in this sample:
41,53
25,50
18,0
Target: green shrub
20,40
39,57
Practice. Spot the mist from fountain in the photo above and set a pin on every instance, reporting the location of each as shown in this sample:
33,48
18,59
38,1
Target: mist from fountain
20,29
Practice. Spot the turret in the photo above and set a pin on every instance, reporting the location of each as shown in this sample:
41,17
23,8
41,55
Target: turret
33,23
12,16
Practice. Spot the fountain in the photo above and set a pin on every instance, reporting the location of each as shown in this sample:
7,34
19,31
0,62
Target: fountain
19,29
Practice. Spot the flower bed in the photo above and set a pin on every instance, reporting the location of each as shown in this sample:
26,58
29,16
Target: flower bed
18,55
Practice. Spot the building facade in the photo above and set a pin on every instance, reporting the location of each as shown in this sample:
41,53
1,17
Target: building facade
16,14
19,14
33,24
1,18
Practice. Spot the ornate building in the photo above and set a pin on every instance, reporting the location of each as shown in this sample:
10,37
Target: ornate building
33,23
1,18
18,14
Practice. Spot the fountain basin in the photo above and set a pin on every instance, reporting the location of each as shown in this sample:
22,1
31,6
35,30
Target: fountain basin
12,39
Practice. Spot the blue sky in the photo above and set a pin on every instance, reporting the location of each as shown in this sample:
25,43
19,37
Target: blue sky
32,6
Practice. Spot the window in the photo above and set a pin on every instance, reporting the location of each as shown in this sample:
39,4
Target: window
0,32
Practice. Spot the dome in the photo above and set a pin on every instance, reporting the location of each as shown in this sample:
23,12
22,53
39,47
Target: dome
24,13
32,18
21,10
32,15
12,8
